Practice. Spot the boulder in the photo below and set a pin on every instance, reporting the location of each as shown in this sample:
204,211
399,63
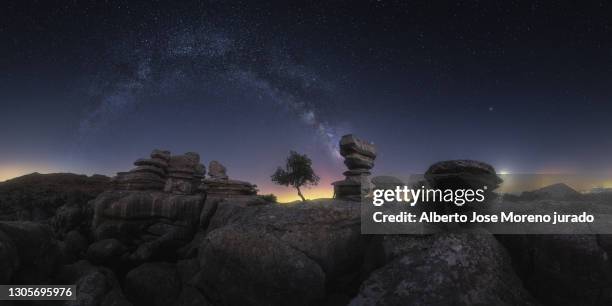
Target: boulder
225,188
105,251
250,266
161,154
455,174
349,144
386,182
149,174
191,296
94,285
155,284
142,204
358,161
217,171
563,269
154,224
182,172
328,231
67,218
37,249
139,180
159,164
444,269
305,244
73,246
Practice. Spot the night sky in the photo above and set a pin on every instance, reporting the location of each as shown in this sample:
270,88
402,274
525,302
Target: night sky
90,87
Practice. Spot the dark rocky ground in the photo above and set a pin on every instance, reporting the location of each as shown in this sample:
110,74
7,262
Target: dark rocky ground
153,248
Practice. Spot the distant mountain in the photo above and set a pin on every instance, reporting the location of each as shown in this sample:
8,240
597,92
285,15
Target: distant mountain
555,191
36,196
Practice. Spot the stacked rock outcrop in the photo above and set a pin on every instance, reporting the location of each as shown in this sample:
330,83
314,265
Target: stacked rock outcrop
217,171
218,183
184,173
149,174
359,157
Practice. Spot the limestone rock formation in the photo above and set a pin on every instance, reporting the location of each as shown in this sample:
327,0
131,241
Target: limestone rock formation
184,173
149,174
386,182
218,184
73,246
95,285
156,208
359,158
154,223
563,269
240,250
229,188
444,269
105,251
454,174
217,171
252,251
29,250
155,284
246,267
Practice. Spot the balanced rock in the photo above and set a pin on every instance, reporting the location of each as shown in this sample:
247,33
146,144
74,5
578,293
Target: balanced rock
359,158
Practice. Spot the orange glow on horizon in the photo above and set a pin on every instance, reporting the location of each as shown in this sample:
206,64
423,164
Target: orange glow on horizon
8,172
310,194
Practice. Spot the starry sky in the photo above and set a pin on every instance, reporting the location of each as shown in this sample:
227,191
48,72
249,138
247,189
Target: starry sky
89,87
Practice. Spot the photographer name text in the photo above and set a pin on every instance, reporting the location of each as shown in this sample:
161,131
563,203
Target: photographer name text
502,217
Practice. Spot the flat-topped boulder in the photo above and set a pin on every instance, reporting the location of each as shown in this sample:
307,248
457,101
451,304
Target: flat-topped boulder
350,144
455,174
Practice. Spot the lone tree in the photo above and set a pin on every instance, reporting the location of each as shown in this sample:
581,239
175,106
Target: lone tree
297,173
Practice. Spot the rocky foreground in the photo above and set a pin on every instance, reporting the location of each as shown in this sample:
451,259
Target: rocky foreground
178,237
